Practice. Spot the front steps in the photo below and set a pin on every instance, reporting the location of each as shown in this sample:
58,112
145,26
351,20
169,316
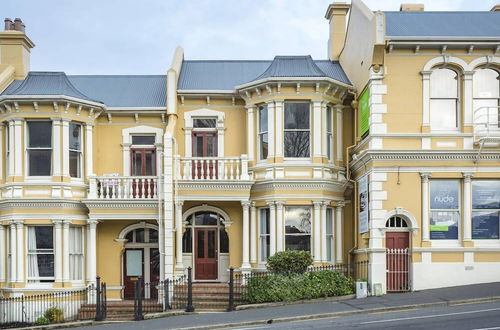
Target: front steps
209,296
119,310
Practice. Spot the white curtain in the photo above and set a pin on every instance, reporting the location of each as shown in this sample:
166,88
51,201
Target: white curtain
76,254
32,255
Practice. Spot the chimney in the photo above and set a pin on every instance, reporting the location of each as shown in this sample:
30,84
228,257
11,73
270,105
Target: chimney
15,48
496,7
411,7
337,15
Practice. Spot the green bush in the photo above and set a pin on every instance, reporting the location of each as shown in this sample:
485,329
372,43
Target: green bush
54,315
290,261
42,320
291,287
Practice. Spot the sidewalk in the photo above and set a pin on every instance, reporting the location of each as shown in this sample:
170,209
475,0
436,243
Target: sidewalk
435,297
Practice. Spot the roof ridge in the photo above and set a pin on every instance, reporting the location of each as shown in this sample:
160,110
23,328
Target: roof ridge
115,75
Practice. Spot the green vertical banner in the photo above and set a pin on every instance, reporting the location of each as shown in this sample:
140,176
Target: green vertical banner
364,113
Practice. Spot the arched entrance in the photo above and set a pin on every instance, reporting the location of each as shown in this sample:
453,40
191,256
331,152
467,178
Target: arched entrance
206,240
141,257
397,243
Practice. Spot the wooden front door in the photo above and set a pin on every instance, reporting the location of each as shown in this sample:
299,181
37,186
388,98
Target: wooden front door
398,261
133,269
205,145
205,254
143,164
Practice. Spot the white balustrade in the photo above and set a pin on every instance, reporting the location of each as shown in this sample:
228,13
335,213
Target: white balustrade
487,121
123,187
213,168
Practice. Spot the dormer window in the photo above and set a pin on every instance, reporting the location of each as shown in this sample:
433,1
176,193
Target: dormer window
297,130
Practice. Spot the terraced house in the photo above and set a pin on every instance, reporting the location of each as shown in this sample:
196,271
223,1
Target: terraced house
387,151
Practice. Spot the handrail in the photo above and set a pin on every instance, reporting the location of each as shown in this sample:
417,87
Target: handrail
212,168
486,121
123,187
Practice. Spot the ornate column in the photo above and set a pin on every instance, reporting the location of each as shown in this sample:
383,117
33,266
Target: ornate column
251,132
338,231
324,205
425,206
467,231
17,148
91,250
279,226
316,237
253,233
3,259
89,155
65,251
245,265
272,228
56,147
65,147
20,250
13,251
278,128
271,129
179,265
58,255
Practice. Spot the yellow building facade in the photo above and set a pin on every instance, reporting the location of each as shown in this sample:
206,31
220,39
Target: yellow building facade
389,146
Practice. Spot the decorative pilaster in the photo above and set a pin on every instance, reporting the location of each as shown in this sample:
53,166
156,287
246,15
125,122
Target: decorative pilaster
339,215
271,130
280,226
65,251
246,235
89,153
10,147
467,231
58,253
1,163
316,237
13,251
20,250
324,206
65,147
425,206
91,250
317,132
179,265
126,159
468,106
339,132
253,233
251,132
272,228
278,128
426,114
56,147
3,259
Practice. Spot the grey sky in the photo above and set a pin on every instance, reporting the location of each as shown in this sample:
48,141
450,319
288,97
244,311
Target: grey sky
139,36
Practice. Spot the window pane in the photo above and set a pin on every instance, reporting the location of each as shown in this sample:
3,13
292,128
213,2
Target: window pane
444,194
130,236
74,164
444,225
211,146
40,162
198,146
44,237
329,146
75,136
485,225
263,118
134,262
486,83
486,112
204,123
45,265
265,242
211,237
296,115
328,119
40,134
153,236
264,221
444,83
300,242
264,146
187,239
200,244
143,140
139,235
486,194
444,114
150,162
329,225
205,219
329,244
298,220
224,241
136,162
296,144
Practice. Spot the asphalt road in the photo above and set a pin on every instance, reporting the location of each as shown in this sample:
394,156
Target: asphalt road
484,316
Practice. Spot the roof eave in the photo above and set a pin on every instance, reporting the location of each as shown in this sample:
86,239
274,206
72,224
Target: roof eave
441,38
292,79
34,98
206,91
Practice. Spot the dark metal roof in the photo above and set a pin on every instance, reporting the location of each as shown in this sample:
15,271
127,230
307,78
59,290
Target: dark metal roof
435,24
47,83
112,90
225,75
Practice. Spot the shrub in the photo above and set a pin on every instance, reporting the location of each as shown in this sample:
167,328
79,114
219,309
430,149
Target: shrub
42,320
54,315
291,287
290,261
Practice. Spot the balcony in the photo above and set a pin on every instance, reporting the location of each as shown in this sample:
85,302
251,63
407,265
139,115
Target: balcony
487,126
212,168
123,187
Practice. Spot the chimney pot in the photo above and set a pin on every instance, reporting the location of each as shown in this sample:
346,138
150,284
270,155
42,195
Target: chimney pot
8,24
411,7
496,7
18,25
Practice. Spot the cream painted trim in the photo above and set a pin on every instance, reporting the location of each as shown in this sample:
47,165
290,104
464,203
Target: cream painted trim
127,134
483,60
188,127
401,212
139,225
227,220
446,59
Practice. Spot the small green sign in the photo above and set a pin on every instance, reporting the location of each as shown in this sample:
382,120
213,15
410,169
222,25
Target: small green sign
438,228
364,113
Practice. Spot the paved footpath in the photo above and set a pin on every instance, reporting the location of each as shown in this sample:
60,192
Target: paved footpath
259,316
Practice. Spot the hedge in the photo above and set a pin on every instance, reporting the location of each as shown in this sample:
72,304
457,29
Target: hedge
291,287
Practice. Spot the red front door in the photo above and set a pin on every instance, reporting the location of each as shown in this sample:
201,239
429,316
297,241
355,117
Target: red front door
143,164
205,254
205,145
398,261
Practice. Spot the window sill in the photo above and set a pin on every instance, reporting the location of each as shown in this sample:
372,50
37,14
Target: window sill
44,179
305,160
446,243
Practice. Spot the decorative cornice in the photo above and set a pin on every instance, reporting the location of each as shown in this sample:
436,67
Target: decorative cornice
123,204
41,204
287,184
215,185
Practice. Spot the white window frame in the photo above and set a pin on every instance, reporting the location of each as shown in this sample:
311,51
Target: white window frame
77,255
330,236
329,134
263,236
456,99
285,234
296,159
38,279
447,242
188,129
127,134
494,100
261,133
79,177
27,149
483,241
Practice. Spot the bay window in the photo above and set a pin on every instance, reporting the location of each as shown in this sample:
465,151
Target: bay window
485,209
75,150
486,91
444,99
329,234
76,253
265,234
444,209
40,254
298,228
39,148
263,132
297,131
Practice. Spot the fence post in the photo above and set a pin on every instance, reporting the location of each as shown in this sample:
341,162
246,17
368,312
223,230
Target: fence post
230,308
138,300
166,293
98,312
189,307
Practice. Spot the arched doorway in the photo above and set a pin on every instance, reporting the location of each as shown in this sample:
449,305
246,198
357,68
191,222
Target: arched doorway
141,257
397,243
207,241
